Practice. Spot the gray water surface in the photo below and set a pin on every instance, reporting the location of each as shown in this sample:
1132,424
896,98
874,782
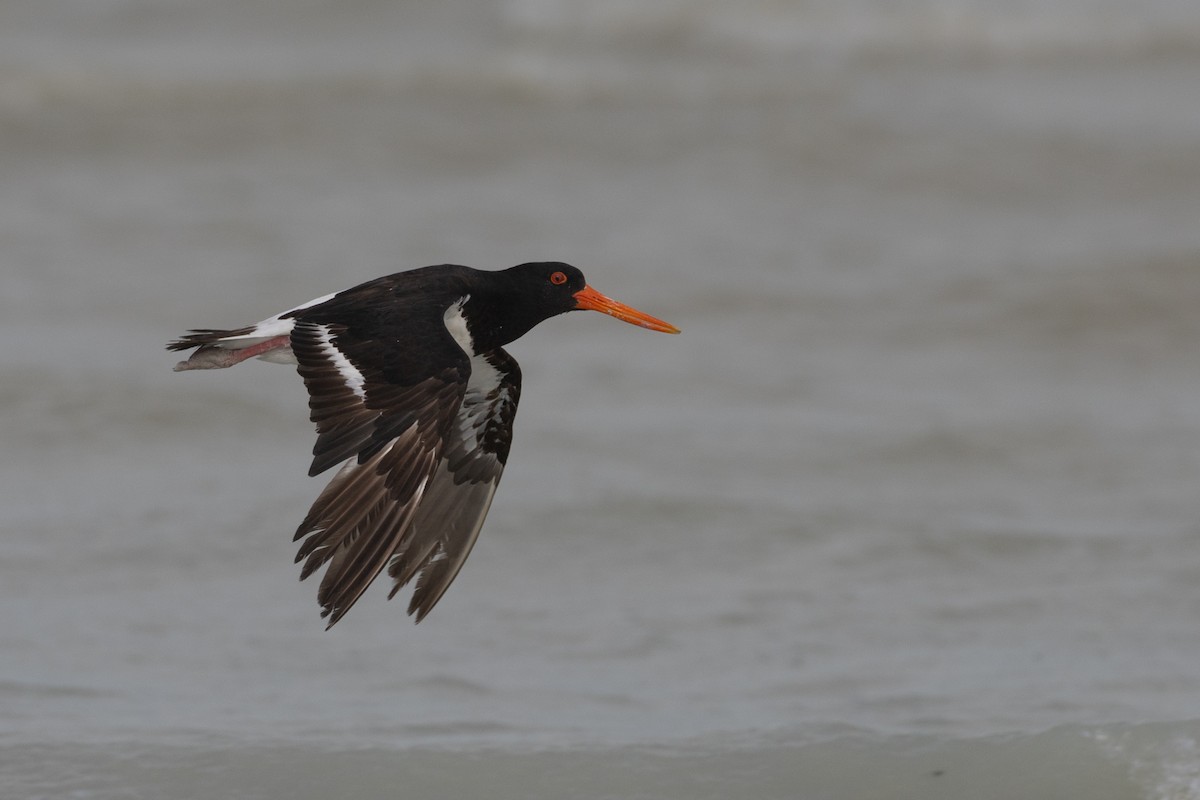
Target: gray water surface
921,470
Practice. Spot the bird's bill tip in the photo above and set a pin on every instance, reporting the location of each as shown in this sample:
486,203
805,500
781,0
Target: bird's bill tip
589,299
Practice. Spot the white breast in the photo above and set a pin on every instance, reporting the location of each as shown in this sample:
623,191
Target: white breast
456,323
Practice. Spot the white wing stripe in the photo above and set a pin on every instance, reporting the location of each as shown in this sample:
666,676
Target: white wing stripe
350,373
474,412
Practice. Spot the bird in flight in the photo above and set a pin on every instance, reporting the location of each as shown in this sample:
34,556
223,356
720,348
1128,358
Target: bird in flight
413,394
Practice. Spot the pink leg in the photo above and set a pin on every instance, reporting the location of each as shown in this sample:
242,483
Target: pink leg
260,348
215,357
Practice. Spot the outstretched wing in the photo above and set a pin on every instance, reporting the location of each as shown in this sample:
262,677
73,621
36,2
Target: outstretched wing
460,490
390,426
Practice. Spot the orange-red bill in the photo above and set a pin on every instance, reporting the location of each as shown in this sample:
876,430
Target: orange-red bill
589,299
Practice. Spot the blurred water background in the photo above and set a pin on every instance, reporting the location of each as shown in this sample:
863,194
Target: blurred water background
910,510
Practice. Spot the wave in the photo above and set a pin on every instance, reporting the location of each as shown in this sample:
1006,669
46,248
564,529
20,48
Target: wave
569,48
872,26
1103,762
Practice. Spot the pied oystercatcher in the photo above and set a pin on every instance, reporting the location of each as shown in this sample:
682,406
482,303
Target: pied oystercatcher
411,391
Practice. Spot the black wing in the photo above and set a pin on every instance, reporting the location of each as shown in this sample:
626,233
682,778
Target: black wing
389,425
458,496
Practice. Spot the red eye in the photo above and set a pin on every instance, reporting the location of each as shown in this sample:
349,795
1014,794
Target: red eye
558,278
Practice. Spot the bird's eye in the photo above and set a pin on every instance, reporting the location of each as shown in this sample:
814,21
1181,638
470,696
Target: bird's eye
558,278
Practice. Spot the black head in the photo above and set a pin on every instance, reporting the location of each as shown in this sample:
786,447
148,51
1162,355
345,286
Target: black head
530,293
561,287
550,286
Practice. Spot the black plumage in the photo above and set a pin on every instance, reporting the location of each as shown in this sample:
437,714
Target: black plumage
412,393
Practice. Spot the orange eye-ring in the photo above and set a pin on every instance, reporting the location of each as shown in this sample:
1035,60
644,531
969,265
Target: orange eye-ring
558,278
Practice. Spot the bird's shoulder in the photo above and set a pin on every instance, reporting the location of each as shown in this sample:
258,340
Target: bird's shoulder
394,327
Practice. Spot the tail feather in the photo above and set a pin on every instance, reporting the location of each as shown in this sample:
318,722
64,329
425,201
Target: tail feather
206,336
